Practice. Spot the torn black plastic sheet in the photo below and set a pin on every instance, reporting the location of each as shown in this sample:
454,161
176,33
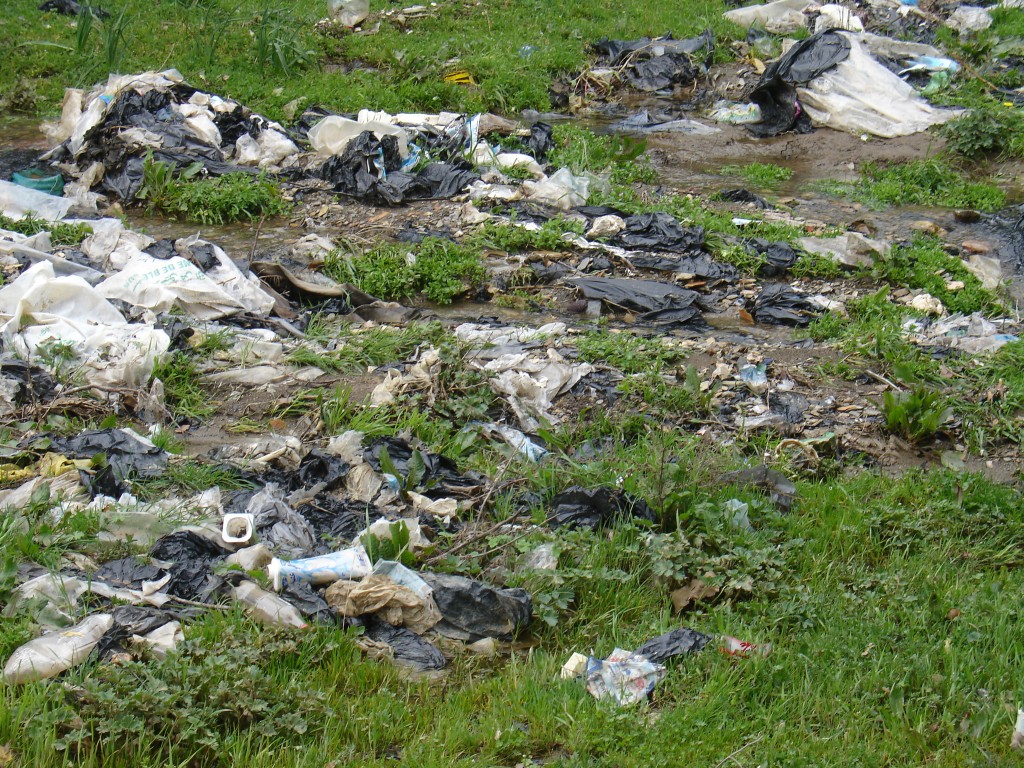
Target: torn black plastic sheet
127,456
678,642
369,170
472,610
406,646
779,304
744,196
192,558
441,476
702,266
657,303
659,231
541,140
775,93
616,52
578,507
34,384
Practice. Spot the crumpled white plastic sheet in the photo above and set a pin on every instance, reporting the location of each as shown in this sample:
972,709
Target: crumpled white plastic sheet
39,307
859,95
624,676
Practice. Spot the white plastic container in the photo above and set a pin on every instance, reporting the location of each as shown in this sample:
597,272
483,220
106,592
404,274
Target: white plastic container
238,527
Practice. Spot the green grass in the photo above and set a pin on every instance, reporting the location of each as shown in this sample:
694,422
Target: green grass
60,232
766,175
439,269
626,352
270,58
933,182
513,239
217,200
356,351
182,388
853,590
581,150
926,266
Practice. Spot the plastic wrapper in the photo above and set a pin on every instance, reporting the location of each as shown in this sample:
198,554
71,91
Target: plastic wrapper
625,676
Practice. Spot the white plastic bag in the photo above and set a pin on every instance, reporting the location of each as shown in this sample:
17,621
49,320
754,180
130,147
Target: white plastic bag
332,134
17,201
559,190
780,17
859,95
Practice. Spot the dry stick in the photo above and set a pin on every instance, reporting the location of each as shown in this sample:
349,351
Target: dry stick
197,604
732,756
882,379
256,238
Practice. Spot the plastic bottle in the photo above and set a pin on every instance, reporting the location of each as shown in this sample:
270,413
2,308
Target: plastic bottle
351,563
348,13
55,652
267,607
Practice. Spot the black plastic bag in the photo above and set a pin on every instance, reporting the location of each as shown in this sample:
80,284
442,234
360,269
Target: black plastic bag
658,64
779,304
192,557
779,256
540,141
657,302
127,572
775,93
578,507
472,610
744,196
678,642
34,383
659,232
408,647
313,606
318,467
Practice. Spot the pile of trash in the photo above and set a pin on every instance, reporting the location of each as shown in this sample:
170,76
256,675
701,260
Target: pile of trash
105,137
294,551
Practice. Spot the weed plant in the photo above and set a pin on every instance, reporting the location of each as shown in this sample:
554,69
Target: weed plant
61,233
933,182
765,175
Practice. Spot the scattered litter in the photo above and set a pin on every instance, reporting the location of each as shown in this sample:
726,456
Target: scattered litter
968,18
266,607
626,677
325,569
777,484
393,603
406,646
779,304
732,646
658,303
471,610
575,667
678,642
694,592
656,64
1017,740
